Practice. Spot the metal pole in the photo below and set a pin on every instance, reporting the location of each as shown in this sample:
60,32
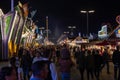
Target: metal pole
47,27
87,23
12,5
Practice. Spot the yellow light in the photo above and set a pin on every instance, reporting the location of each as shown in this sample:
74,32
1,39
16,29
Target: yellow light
119,31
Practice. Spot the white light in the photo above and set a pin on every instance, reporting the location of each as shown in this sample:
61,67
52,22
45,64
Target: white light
83,11
91,11
66,32
41,28
69,27
74,27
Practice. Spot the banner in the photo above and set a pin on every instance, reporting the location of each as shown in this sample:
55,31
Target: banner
6,25
103,32
7,21
15,28
19,31
25,9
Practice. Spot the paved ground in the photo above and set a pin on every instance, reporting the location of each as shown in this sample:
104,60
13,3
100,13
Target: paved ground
76,75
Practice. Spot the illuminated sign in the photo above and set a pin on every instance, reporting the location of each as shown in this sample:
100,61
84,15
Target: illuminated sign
117,32
103,32
82,41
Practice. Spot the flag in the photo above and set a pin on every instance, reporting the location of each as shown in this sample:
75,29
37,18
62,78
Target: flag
79,34
19,10
25,9
7,21
20,4
33,13
15,28
90,36
19,31
6,25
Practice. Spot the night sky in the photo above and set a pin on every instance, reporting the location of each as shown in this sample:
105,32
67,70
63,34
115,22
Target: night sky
64,13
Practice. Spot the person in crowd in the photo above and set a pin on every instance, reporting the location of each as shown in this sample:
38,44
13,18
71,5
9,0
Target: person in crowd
53,54
58,53
8,73
77,53
101,51
20,72
37,57
116,62
81,62
106,58
20,51
51,65
90,65
32,52
65,63
52,73
40,70
26,62
13,61
98,62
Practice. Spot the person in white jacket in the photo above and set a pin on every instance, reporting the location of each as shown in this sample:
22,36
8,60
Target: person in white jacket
52,75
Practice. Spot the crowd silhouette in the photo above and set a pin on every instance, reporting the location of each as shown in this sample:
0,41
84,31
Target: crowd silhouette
44,62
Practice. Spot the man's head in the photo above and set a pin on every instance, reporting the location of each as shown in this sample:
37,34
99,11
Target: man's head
37,53
40,69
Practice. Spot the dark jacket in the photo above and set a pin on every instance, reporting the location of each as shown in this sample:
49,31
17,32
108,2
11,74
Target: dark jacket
81,60
98,60
105,56
89,61
116,57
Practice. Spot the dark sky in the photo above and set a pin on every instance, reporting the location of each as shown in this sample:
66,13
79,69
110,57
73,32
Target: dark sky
64,13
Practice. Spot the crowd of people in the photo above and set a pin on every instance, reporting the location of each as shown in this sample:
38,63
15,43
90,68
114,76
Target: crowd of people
41,63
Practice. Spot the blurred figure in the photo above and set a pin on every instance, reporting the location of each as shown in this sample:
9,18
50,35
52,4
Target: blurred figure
52,74
45,56
106,58
37,57
116,62
20,51
81,63
58,53
13,61
40,70
90,65
98,63
77,53
26,62
8,73
20,72
65,63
